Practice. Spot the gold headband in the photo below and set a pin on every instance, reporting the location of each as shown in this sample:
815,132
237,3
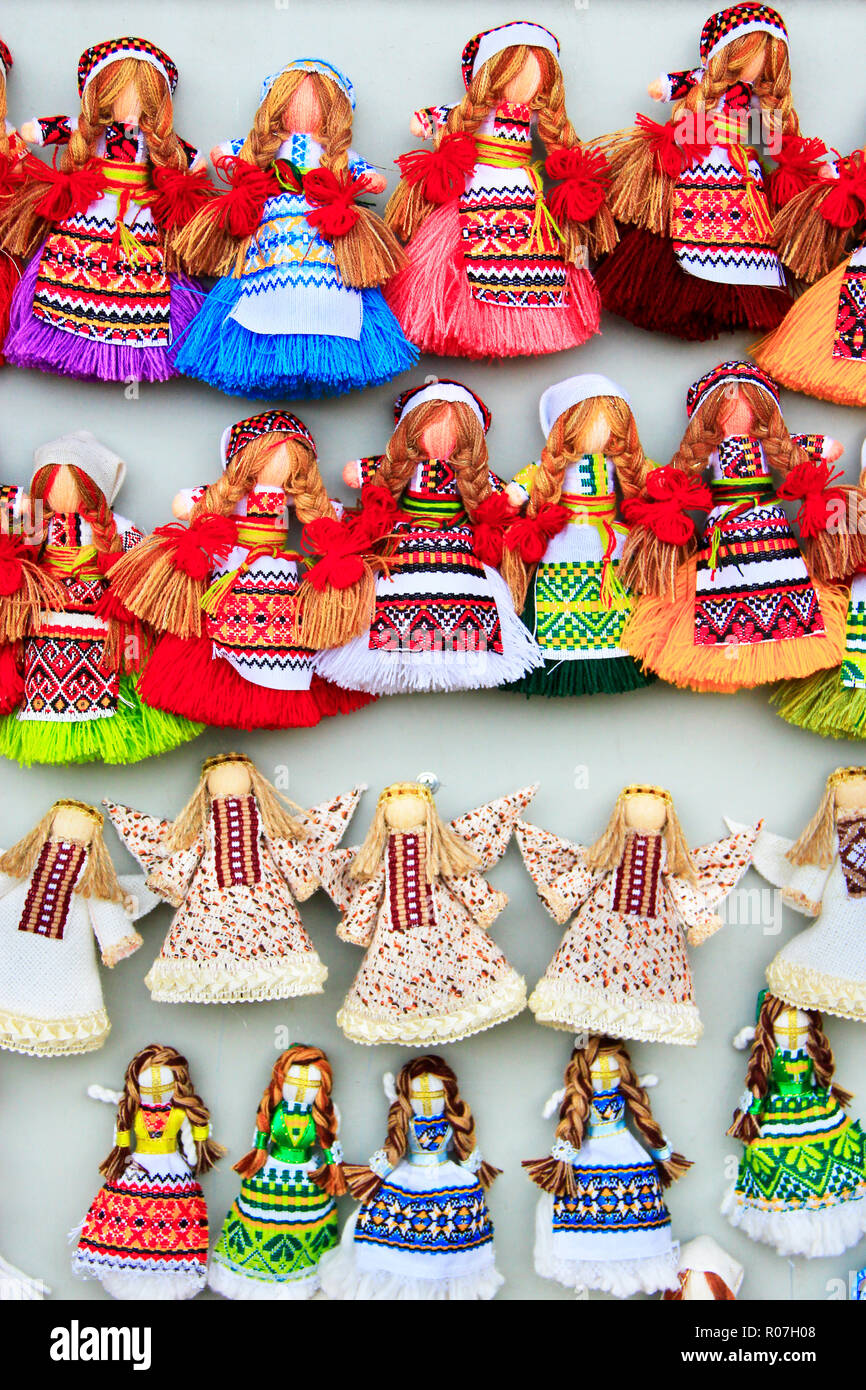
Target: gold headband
845,774
639,789
219,758
82,806
405,789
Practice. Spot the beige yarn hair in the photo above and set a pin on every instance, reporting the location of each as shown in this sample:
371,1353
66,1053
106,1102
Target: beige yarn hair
447,855
817,844
276,821
608,849
98,880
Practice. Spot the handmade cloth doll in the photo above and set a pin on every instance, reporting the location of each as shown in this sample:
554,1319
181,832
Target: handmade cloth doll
697,252
601,1221
234,864
497,266
746,607
16,1287
415,897
145,1235
820,347
443,617
633,901
12,151
100,298
823,875
423,1229
68,651
284,1218
222,590
298,308
801,1185
564,551
706,1274
58,890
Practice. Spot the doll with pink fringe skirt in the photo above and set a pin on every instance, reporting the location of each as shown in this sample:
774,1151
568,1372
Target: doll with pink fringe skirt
497,265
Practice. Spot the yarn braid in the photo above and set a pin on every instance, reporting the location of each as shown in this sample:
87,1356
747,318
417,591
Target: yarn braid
183,1097
329,1177
469,458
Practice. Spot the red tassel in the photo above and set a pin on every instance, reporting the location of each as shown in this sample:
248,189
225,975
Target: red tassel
810,483
12,550
798,165
334,211
531,535
669,493
490,523
65,193
11,174
239,210
845,204
672,153
339,549
378,513
180,194
442,171
198,546
584,176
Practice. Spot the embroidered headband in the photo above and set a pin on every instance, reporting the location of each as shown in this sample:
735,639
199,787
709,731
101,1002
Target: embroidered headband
219,758
94,59
312,65
238,436
845,774
398,789
5,57
642,789
728,373
82,806
560,397
441,389
735,22
81,449
492,41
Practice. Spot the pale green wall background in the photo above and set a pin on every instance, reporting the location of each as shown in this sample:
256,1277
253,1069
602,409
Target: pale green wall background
718,754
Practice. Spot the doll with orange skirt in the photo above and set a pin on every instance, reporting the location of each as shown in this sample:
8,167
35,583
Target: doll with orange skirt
697,252
221,587
497,264
747,604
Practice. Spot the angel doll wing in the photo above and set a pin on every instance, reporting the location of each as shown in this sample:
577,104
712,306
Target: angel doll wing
300,861
719,866
557,867
802,885
488,829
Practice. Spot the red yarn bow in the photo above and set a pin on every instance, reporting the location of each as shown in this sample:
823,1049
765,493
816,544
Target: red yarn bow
441,172
798,165
11,174
531,535
340,562
845,203
179,195
196,547
673,153
490,523
65,193
12,550
239,209
810,483
583,189
377,515
669,493
334,210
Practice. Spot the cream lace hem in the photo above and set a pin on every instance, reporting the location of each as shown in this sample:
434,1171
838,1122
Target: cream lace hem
507,1000
245,1288
813,989
238,982
577,1010
56,1037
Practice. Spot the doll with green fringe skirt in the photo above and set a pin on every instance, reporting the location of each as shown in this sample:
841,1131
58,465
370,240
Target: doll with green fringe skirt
564,550
69,653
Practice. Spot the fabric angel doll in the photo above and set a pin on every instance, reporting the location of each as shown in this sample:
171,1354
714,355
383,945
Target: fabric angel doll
145,1235
497,265
633,901
298,308
706,1274
284,1218
69,653
563,552
443,617
748,604
100,298
820,347
234,864
823,875
423,1230
58,889
222,588
601,1221
801,1185
415,897
12,151
697,254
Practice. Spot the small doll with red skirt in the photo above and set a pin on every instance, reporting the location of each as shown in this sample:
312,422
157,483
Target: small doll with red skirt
498,265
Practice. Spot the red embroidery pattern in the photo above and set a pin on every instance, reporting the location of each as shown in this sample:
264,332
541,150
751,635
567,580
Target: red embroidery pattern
636,881
852,854
410,892
236,840
46,907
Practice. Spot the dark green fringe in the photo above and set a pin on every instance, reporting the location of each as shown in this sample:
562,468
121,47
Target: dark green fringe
823,705
603,676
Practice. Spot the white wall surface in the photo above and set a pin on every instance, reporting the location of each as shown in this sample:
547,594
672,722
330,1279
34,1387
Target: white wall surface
718,754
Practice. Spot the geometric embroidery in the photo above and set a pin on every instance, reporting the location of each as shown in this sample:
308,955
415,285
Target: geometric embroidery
852,854
853,674
616,1199
64,678
444,1222
636,881
236,840
410,892
46,907
570,612
850,335
814,1157
147,1221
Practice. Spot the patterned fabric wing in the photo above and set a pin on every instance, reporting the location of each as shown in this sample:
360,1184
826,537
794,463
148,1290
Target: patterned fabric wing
144,836
488,829
327,822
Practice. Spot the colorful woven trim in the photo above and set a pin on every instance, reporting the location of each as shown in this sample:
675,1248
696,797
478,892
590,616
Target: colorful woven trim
219,758
845,774
238,436
492,41
5,57
84,807
645,789
312,65
441,389
725,373
94,59
398,789
735,22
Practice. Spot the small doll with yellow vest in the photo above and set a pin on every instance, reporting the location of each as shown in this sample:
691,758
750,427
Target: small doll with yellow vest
145,1235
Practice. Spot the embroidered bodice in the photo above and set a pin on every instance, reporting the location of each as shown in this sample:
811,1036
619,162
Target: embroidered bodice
429,1137
58,868
119,144
636,888
236,830
606,1113
409,894
157,1127
739,470
69,554
304,152
851,835
590,476
791,1071
293,1133
510,121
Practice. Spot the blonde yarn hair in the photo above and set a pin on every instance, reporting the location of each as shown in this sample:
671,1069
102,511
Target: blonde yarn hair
817,844
99,879
448,856
277,823
607,851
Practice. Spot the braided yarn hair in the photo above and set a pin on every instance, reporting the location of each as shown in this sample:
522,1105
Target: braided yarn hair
330,1176
184,1097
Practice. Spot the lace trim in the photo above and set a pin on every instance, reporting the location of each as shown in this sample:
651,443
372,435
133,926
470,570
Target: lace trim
813,989
56,1037
508,1000
622,1278
186,982
577,1009
231,1283
812,1232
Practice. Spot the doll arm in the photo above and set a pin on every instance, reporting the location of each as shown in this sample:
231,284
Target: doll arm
719,867
558,869
144,836
171,877
819,448
805,889
673,86
113,929
488,829
482,902
518,488
802,885
357,472
358,899
142,899
327,823
12,509
297,866
360,168
48,130
128,532
428,120
194,158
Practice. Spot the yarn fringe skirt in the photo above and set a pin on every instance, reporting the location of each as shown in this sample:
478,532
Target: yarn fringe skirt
799,353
